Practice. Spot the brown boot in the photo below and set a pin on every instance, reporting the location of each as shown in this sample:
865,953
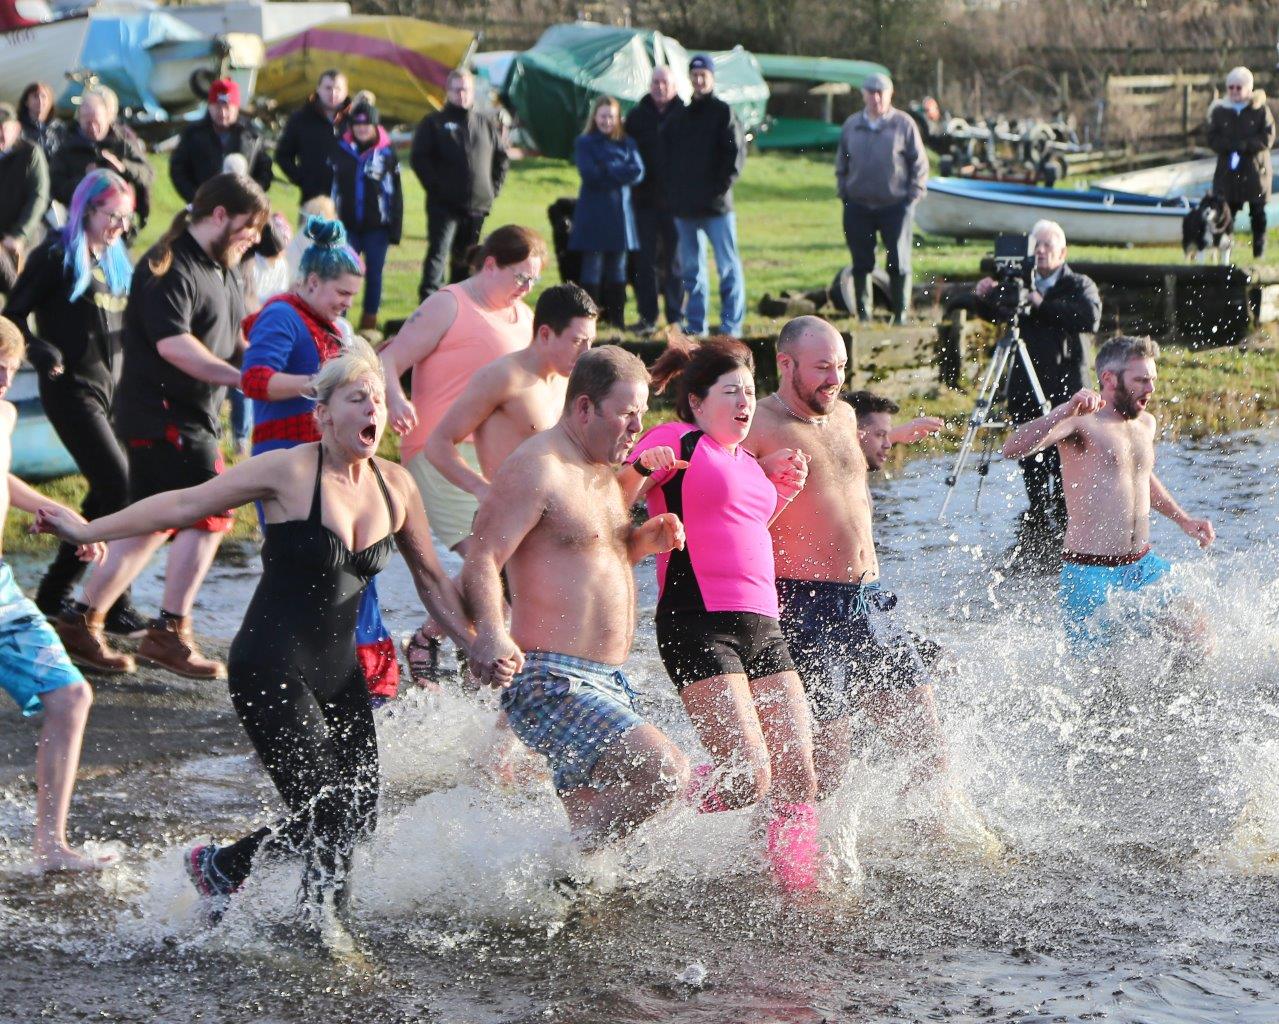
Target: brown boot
170,644
81,633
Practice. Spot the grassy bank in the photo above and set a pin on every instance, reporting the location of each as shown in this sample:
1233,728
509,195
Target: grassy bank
789,225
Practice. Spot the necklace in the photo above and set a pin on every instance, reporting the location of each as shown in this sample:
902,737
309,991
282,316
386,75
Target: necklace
812,421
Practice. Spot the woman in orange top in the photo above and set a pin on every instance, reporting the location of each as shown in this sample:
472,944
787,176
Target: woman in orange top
455,332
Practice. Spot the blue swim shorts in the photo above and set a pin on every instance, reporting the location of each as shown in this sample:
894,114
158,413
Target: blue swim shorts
847,643
1086,585
569,710
32,658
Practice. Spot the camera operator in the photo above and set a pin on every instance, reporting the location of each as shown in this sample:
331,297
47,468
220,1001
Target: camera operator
1063,311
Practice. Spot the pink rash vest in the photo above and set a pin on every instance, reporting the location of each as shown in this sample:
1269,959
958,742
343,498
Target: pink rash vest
725,502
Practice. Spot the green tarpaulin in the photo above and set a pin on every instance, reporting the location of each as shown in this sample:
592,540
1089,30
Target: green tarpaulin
798,133
785,67
550,88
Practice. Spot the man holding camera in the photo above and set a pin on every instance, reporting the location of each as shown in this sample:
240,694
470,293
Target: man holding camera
1064,310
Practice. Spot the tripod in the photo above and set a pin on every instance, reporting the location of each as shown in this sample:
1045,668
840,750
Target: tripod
994,388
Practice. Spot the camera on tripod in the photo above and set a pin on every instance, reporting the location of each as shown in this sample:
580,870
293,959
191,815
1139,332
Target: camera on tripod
1014,275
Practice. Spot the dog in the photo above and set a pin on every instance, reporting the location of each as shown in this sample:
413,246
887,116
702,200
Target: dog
1210,225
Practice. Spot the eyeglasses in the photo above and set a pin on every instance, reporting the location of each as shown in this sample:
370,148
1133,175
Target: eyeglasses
525,280
118,220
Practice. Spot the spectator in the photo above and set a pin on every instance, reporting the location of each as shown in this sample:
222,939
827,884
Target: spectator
24,196
366,189
96,140
459,156
74,287
35,111
656,268
881,172
1241,131
705,152
1064,313
603,224
207,143
306,145
181,336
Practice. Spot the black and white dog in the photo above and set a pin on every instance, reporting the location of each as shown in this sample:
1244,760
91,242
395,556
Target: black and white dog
1210,225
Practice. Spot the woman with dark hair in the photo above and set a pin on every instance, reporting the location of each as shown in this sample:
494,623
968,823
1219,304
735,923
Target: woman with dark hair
333,511
457,331
69,302
290,338
603,223
35,113
717,614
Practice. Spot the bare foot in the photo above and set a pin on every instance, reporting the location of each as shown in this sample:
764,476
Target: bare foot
67,859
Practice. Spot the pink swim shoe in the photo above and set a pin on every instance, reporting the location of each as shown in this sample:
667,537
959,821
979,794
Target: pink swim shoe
702,792
793,847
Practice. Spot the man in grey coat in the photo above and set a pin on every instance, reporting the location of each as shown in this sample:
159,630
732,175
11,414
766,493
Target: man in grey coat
881,172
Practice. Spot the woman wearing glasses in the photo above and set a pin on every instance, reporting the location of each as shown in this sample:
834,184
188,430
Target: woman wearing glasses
69,303
458,330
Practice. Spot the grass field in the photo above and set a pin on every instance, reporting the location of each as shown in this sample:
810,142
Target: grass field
791,238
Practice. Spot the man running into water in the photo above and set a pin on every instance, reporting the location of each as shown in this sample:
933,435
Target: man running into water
1107,447
838,620
555,519
34,669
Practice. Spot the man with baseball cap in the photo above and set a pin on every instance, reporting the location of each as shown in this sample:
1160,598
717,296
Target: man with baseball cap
882,173
208,142
705,151
24,196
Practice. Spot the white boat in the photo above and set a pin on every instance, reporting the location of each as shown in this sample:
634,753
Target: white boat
963,208
1185,178
271,21
34,47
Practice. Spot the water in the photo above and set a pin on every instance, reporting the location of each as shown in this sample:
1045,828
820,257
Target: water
1132,891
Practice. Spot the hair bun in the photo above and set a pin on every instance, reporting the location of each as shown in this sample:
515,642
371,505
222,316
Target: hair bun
328,233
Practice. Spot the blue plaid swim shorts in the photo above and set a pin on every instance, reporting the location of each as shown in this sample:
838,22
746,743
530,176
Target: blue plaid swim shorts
32,658
569,710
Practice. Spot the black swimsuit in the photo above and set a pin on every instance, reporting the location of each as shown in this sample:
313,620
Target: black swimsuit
300,693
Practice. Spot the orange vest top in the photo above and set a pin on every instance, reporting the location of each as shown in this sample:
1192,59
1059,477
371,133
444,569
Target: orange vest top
476,338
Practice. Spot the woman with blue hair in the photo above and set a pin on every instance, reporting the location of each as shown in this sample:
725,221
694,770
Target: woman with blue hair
290,337
69,302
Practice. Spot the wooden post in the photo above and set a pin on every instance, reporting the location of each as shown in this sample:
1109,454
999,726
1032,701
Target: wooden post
950,347
1170,306
850,339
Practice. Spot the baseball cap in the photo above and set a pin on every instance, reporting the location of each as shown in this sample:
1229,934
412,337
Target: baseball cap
225,90
702,62
364,113
877,83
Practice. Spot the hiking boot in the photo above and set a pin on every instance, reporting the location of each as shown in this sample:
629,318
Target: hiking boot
126,621
80,629
170,644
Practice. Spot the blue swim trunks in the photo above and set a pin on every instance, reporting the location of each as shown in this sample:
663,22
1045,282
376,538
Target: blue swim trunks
569,710
32,658
1087,582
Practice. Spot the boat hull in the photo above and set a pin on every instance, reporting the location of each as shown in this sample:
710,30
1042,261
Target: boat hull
38,452
41,53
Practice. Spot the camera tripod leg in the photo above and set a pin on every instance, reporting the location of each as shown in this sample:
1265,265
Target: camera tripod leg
990,385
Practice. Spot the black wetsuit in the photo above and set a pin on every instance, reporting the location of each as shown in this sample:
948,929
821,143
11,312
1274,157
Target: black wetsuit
300,694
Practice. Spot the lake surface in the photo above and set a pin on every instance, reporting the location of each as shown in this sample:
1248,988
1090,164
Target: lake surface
1140,806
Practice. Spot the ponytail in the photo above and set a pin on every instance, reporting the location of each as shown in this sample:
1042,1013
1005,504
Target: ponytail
694,368
238,194
507,245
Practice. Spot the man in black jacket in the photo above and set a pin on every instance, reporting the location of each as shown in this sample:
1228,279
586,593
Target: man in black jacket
705,152
460,158
1065,311
656,267
24,196
1241,131
306,145
206,144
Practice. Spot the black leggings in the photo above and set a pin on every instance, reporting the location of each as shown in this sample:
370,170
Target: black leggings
321,753
82,420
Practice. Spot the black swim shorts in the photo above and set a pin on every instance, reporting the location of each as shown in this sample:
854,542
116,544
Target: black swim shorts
696,645
846,643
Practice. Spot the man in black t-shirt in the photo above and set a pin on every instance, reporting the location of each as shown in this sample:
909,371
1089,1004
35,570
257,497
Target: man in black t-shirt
182,344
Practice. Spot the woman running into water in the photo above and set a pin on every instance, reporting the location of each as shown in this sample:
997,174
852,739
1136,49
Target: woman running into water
332,510
717,612
290,337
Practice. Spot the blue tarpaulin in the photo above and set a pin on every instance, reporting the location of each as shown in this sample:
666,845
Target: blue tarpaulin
117,50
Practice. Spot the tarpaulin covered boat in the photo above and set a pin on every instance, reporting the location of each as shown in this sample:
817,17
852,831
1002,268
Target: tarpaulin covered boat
551,87
402,61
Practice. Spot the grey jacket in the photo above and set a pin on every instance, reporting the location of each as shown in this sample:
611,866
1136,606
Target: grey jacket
884,165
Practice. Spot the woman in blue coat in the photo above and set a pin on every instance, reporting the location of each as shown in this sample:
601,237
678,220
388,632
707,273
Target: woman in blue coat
603,224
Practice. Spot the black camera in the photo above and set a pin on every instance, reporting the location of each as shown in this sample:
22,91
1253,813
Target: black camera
1014,275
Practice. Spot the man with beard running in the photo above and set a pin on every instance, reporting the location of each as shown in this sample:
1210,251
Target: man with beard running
1107,447
182,339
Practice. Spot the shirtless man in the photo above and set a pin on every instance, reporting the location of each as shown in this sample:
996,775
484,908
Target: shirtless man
555,519
836,617
1107,447
34,668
